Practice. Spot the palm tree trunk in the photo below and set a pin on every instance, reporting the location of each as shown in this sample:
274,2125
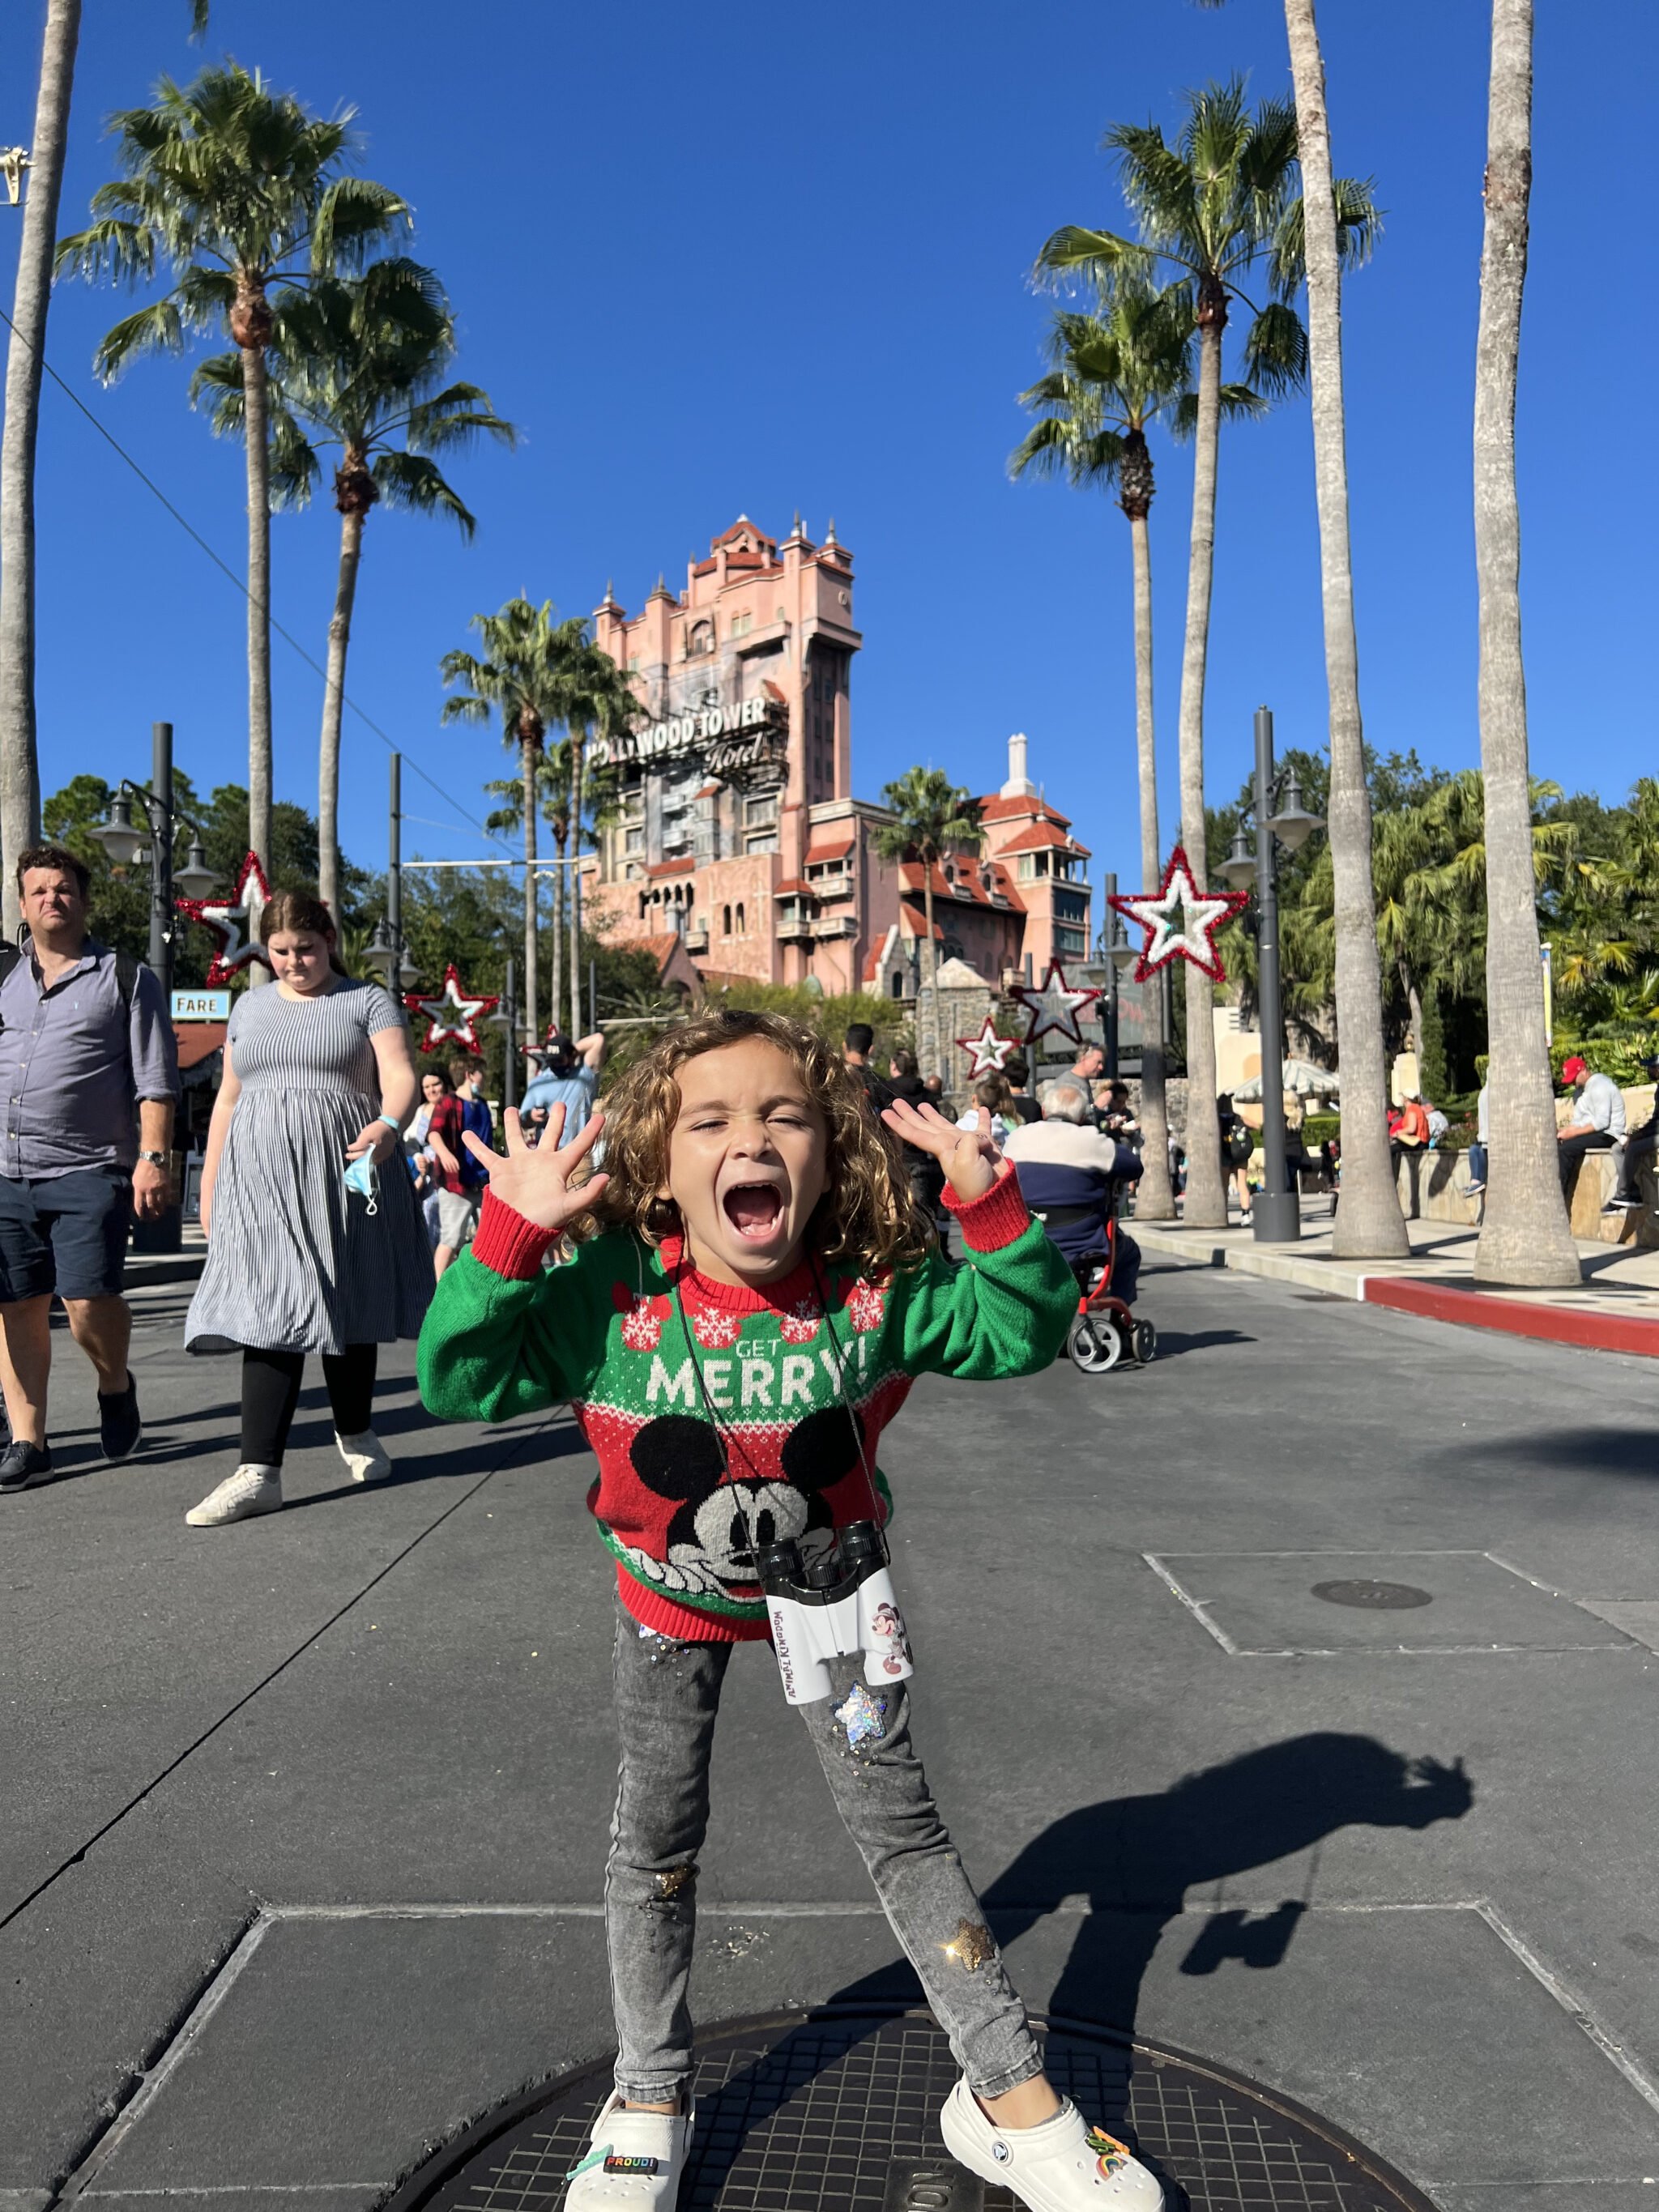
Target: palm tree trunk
1525,1236
930,974
561,839
328,751
1154,1196
257,433
19,771
1368,1222
1206,1199
574,872
529,750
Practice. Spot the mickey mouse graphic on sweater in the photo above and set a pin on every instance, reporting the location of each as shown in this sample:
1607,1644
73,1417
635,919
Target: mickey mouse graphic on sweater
800,1379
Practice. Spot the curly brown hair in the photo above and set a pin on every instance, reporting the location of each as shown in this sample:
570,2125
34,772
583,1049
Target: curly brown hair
867,1216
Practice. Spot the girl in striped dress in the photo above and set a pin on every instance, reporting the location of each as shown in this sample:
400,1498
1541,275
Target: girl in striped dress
318,1076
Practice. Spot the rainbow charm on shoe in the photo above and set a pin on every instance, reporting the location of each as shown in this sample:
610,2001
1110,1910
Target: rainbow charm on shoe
1109,2153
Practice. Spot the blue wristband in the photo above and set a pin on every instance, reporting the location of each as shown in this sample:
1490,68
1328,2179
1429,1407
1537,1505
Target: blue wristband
396,1128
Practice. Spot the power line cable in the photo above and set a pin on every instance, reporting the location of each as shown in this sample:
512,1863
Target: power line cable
219,563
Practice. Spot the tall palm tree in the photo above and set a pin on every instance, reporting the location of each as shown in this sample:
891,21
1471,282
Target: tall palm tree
1212,207
358,362
233,186
932,817
1369,1223
597,701
1525,1236
1115,371
521,675
553,789
20,774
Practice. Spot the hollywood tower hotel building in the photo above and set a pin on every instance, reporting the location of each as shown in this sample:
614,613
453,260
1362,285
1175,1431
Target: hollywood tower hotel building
738,846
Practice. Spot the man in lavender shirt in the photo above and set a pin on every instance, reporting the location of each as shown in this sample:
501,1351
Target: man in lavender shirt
84,1039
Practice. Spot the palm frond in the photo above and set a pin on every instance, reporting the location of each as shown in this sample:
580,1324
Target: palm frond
415,483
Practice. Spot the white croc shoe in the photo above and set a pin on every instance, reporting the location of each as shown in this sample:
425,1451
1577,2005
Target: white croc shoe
250,1490
365,1456
1061,2165
634,2160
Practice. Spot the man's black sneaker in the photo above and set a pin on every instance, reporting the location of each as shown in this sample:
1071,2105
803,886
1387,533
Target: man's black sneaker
119,1428
1617,1205
22,1465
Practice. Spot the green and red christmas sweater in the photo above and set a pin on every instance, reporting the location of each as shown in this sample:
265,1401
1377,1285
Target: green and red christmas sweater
643,1346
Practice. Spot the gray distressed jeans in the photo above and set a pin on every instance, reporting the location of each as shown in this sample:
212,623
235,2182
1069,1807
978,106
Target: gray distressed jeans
667,1696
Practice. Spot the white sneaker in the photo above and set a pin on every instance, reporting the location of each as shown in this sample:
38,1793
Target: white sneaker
365,1455
1061,2165
250,1490
634,2159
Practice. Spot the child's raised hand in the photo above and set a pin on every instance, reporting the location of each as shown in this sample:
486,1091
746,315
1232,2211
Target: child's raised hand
969,1156
535,1181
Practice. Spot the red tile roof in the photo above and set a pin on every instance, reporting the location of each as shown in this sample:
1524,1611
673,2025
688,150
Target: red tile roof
832,847
1039,837
197,1041
683,867
998,809
791,887
738,529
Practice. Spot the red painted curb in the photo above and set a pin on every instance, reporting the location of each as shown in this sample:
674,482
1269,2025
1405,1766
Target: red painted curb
1590,1331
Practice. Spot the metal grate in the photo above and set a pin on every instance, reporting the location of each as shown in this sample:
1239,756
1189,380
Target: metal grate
821,2113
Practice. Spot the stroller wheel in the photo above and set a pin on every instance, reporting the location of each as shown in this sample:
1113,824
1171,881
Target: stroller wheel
1146,1342
1095,1345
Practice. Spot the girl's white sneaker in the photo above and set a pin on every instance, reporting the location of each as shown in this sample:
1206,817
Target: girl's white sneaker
365,1456
1062,2164
250,1490
634,2160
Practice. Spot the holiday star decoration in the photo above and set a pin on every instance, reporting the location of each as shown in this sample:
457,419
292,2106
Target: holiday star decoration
451,1013
1202,914
989,1052
1055,1006
234,922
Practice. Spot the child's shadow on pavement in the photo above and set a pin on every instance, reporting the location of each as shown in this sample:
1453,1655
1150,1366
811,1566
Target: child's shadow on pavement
1134,1860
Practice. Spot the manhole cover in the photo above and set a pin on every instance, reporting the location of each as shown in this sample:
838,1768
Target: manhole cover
1374,1597
837,2113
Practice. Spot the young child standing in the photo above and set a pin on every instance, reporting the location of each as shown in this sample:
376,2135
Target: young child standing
750,1299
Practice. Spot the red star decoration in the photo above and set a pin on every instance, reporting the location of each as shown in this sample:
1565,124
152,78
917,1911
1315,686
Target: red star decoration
451,1013
234,922
1202,913
1058,1005
989,1052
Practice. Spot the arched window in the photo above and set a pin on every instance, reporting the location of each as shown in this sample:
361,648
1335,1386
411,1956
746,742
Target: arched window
740,920
897,981
726,921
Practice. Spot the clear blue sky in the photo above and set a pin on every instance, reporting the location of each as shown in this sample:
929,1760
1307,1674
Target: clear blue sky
757,258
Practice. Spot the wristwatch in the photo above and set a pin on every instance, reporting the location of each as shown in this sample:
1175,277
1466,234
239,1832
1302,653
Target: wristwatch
155,1159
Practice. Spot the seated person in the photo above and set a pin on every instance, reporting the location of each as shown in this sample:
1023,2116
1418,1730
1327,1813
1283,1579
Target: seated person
569,1077
1070,1174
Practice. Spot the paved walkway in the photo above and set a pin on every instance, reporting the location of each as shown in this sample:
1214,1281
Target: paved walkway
304,1821
1614,1309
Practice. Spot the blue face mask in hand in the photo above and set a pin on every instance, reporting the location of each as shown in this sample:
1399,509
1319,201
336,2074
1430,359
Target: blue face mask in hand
364,1178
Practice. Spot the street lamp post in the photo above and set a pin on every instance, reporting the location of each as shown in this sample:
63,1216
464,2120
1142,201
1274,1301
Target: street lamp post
1280,820
1109,1028
123,840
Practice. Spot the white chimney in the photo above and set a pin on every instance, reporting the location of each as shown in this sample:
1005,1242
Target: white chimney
1019,784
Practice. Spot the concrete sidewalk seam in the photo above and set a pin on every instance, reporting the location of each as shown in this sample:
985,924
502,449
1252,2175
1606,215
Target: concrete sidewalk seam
211,1994
1637,2076
77,1857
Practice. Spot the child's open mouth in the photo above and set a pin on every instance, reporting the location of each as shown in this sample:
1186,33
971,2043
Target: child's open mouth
754,1209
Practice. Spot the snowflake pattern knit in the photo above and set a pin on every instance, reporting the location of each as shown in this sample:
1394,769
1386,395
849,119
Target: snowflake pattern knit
802,1378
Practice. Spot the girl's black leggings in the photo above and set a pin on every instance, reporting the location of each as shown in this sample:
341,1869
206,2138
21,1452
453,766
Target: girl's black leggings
271,1391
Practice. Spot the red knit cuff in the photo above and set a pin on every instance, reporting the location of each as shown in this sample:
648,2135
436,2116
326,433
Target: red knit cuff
507,1243
997,1218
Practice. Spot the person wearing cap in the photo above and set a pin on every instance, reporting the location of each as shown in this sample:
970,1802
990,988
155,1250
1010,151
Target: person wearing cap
1598,1117
569,1077
1639,1146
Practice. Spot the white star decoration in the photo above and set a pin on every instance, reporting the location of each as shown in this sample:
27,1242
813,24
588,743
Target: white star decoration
235,921
1201,915
1054,1006
988,1051
451,1014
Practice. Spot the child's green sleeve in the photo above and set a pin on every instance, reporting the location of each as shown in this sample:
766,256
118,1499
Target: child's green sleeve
1006,1311
503,1335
